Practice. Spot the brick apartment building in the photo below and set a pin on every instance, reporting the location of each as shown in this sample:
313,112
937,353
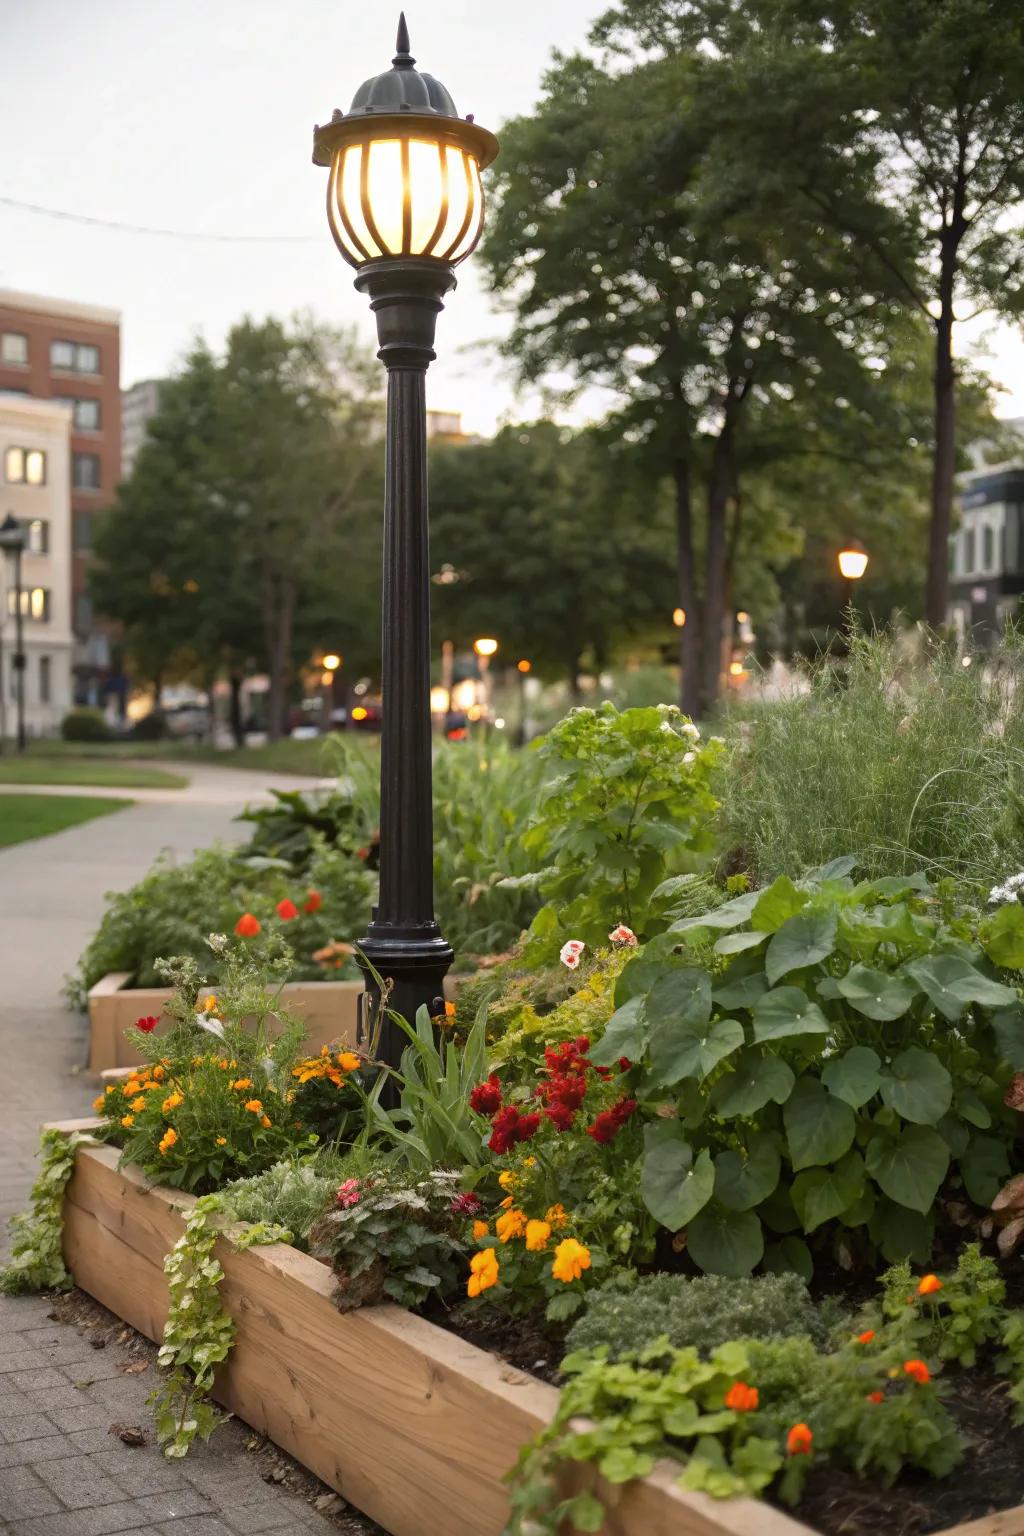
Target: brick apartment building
51,349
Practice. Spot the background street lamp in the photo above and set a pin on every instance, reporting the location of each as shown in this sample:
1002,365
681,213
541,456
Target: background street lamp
12,542
405,205
852,560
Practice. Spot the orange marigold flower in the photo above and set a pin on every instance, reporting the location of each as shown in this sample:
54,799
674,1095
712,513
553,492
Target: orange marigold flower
223,1064
254,1106
139,1103
917,1371
172,1101
537,1236
247,926
241,1082
483,1271
127,1120
167,1141
556,1216
287,910
265,1122
799,1440
110,1088
480,1229
99,1103
866,1336
222,1141
508,1202
512,1224
571,1259
449,1010
876,1397
159,1073
348,1061
928,1285
741,1398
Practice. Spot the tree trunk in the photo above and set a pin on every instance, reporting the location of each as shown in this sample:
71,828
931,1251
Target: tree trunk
279,646
235,680
689,634
944,462
714,579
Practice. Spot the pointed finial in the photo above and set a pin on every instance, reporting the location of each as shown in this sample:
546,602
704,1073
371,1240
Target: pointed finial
403,59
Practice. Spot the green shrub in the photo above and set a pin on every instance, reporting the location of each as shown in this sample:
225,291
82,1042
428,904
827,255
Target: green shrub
909,763
823,1058
291,1194
84,725
702,1313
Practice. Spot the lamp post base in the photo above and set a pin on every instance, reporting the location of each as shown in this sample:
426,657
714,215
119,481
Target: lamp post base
415,960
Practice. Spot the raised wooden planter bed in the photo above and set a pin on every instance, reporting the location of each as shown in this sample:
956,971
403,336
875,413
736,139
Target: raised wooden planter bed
409,1423
330,1010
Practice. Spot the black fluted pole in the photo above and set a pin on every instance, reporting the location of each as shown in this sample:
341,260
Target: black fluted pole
403,941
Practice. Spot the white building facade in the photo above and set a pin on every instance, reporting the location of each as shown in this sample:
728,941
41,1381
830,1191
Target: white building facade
138,404
35,485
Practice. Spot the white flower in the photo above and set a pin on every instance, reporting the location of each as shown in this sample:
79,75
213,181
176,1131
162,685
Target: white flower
1009,890
622,936
210,1024
218,942
570,953
689,729
689,757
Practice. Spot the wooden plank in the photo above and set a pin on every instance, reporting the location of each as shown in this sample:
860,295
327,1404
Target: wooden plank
410,1423
1009,1522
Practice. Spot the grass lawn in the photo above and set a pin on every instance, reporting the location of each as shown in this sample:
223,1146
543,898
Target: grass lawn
316,757
27,816
36,768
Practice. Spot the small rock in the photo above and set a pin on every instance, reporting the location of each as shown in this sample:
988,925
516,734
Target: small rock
275,1474
136,1367
330,1503
128,1434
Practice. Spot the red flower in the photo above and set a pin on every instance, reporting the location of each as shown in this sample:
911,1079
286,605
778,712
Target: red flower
917,1371
624,1064
313,902
485,1098
147,1025
465,1205
510,1126
799,1440
609,1122
247,926
287,910
362,853
561,1116
876,1397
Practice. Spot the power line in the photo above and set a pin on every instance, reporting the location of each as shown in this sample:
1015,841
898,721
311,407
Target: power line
145,229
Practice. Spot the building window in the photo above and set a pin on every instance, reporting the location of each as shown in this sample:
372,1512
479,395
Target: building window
25,466
85,471
968,551
13,347
83,613
74,357
988,548
44,679
38,531
35,603
85,414
83,531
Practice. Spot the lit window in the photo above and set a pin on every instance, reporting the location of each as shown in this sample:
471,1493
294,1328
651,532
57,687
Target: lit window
35,603
38,536
44,679
13,347
85,471
25,466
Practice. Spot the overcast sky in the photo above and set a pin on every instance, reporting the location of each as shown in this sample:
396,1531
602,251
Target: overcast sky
197,115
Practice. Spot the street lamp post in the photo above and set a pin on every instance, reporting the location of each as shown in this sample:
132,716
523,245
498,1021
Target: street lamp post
405,206
12,542
852,561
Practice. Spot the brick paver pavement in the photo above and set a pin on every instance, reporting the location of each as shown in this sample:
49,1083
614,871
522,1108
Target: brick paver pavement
62,1472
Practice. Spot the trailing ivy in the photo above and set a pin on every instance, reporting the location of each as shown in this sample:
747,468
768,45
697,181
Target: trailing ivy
199,1332
37,1262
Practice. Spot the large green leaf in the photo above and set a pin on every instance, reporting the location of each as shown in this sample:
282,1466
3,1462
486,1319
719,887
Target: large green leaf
821,1194
758,1079
674,1186
1003,937
679,1051
777,904
625,1034
725,1242
917,1086
736,943
1008,1027
729,915
680,996
801,941
863,929
909,1167
952,983
787,1011
902,1233
740,988
819,1127
790,1256
876,994
745,1177
985,1168
854,1076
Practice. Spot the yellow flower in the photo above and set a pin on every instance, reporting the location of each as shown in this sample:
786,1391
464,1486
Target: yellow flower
132,1086
254,1106
512,1224
110,1088
264,1121
240,1083
508,1202
555,1215
537,1234
99,1103
211,1005
571,1259
172,1101
507,1179
167,1141
484,1271
223,1064
127,1120
139,1103
348,1061
222,1141
480,1229
159,1073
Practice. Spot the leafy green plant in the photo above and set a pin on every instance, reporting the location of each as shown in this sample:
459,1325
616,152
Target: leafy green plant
625,803
952,1318
822,1058
702,1312
37,1262
290,1195
391,1233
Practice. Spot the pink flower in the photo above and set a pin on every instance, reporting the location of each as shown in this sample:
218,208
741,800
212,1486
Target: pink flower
349,1194
570,953
622,936
465,1204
